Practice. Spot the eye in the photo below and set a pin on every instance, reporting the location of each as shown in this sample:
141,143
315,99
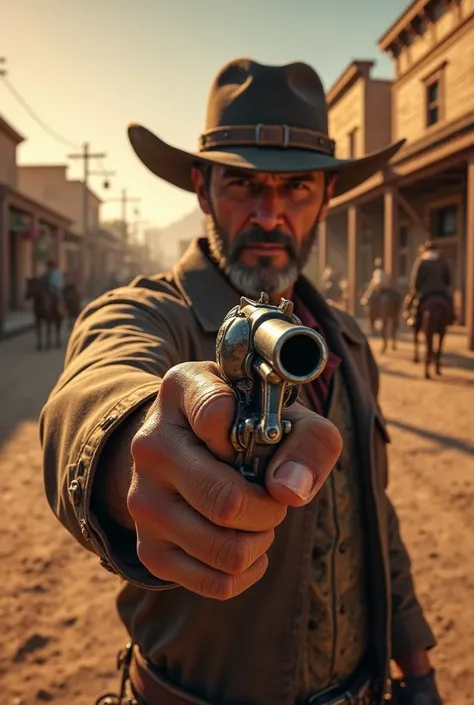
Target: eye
297,185
241,181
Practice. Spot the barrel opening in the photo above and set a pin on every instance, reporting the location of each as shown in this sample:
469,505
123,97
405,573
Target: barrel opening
300,355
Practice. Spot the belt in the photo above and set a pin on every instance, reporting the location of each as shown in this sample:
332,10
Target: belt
151,689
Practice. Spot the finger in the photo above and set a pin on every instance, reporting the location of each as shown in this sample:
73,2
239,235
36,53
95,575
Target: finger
173,565
208,404
304,459
227,550
170,458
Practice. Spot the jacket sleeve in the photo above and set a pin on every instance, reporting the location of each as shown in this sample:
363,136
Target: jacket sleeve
410,630
121,346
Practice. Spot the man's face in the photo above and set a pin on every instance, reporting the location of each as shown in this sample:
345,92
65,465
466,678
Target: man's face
261,227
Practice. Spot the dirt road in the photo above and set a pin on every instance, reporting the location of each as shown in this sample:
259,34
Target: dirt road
56,603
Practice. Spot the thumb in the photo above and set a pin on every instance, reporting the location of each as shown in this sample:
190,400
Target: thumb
304,459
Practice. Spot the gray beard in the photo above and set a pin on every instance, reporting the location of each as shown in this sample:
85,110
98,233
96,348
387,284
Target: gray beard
251,281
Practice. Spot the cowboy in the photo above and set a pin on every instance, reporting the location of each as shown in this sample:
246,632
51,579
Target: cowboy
55,278
380,281
232,593
430,276
331,288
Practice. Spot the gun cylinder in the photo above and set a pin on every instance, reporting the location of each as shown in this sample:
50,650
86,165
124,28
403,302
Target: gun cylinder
298,354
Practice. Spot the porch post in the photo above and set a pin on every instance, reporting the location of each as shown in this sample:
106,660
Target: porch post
4,260
322,249
469,305
352,247
391,237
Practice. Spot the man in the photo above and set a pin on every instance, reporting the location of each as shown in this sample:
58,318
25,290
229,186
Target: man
331,288
234,594
55,278
379,281
430,276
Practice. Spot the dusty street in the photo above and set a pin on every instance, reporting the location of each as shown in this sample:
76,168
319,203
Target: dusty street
60,634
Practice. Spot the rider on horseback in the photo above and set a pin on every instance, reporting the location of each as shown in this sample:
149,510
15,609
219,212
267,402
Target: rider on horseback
379,282
430,276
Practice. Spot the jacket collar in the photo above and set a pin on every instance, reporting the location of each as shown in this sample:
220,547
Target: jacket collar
211,296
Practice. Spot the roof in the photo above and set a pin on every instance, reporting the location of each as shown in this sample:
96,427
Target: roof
394,31
9,130
21,200
360,68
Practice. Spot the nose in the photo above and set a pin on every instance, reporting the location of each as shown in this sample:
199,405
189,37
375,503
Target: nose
267,211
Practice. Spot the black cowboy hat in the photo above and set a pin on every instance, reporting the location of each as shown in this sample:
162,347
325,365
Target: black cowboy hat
261,118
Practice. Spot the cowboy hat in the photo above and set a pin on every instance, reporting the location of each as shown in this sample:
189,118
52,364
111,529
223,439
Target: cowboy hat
261,118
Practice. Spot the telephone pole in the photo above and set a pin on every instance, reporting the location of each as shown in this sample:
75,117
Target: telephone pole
124,200
86,156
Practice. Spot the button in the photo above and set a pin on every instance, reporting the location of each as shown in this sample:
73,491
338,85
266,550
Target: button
343,547
85,530
312,624
75,492
106,423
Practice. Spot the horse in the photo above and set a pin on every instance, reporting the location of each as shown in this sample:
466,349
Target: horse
433,318
384,305
47,309
72,302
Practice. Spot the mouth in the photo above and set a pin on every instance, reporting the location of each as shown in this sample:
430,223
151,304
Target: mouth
265,248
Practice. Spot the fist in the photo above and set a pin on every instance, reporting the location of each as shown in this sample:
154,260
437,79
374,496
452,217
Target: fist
199,523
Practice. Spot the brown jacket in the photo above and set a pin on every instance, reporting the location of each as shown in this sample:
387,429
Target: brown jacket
244,650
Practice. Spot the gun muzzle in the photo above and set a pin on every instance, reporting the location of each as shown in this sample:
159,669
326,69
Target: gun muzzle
297,354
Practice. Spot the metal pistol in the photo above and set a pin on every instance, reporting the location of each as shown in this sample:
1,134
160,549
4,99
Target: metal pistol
265,354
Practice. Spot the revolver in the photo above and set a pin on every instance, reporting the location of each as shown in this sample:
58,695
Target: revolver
265,354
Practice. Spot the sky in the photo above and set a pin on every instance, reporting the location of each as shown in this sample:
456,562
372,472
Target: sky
88,68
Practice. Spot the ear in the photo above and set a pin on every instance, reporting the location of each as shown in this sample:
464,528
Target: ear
327,197
200,186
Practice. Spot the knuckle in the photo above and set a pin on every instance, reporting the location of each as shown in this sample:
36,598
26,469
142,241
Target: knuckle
322,432
226,503
233,555
219,587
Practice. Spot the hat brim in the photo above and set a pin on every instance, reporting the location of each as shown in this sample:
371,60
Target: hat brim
174,165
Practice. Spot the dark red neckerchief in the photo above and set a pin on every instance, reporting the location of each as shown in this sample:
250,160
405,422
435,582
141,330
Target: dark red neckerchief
320,388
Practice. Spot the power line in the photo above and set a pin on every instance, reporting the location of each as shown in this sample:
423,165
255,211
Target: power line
34,115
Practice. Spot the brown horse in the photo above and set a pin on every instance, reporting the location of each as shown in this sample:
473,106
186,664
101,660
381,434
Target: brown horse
385,306
47,308
433,318
72,301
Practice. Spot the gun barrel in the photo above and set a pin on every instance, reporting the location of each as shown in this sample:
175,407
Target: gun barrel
298,354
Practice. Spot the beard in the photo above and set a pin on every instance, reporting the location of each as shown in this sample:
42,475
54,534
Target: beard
251,281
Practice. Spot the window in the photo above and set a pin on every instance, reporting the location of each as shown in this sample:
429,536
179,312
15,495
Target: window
444,221
403,237
432,102
352,149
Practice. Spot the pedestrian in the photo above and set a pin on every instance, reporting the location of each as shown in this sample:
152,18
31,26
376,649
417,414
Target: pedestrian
231,593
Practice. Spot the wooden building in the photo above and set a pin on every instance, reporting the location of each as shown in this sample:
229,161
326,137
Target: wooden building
428,189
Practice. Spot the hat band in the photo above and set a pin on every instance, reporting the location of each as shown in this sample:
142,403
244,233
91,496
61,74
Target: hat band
261,135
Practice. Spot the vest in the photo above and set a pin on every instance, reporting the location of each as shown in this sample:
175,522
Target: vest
337,636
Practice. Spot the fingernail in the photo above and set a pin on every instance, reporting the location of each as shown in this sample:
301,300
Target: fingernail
298,478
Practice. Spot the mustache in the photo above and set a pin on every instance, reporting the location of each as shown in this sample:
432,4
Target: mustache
259,235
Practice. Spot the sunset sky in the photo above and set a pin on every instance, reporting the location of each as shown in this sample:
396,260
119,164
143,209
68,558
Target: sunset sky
90,67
